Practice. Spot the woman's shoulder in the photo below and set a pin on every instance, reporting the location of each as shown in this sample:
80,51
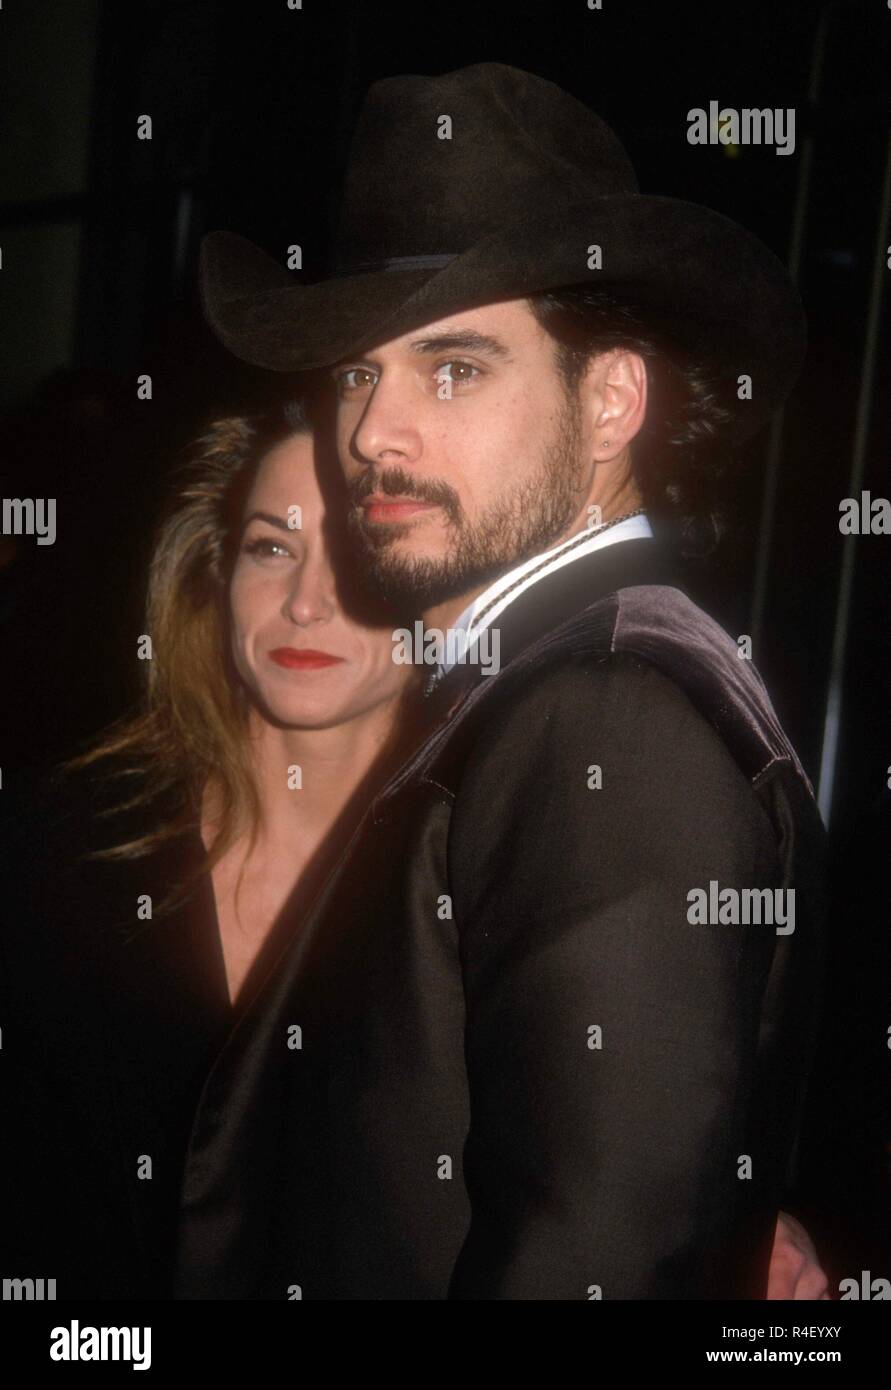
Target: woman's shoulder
58,822
31,814
44,800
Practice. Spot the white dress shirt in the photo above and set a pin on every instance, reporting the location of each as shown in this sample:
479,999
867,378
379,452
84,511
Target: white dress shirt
474,620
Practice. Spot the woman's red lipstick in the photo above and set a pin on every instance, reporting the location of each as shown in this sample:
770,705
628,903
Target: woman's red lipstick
304,659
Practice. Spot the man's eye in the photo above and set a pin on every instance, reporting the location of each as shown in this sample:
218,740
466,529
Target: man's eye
265,546
355,378
458,373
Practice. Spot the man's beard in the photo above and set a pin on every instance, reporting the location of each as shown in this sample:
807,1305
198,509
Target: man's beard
531,519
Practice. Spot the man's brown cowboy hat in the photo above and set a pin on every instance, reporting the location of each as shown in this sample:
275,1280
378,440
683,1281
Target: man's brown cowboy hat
510,204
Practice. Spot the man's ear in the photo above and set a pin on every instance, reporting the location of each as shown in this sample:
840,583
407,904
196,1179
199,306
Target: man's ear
614,390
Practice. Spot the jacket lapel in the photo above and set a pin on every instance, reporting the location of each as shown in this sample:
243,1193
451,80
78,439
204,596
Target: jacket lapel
551,601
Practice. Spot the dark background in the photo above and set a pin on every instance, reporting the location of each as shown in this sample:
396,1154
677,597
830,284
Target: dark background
252,106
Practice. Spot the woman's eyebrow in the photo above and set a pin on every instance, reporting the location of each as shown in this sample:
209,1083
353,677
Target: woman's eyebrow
268,517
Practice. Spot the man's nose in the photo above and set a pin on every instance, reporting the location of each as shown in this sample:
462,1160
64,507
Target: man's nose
388,431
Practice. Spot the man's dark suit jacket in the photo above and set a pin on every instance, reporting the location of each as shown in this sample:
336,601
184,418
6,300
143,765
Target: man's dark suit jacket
497,1061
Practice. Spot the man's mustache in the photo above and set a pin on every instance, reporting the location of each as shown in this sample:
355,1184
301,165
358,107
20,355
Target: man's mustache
398,482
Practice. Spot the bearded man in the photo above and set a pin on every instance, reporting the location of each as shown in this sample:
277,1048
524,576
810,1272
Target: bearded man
528,1068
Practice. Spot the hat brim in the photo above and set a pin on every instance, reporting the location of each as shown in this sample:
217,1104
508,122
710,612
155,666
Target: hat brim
714,288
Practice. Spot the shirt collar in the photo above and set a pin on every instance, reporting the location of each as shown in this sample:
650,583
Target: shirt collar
491,603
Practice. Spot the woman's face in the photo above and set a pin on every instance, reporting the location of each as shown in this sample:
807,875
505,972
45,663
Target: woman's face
305,661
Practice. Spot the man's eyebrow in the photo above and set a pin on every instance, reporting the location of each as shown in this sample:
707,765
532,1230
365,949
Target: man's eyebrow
465,340
462,341
272,520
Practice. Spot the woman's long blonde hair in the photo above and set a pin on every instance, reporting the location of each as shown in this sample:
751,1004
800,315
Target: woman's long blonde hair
190,728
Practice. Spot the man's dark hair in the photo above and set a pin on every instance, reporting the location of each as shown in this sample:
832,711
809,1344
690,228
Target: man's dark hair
678,457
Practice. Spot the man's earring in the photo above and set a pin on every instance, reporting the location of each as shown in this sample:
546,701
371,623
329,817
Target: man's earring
605,444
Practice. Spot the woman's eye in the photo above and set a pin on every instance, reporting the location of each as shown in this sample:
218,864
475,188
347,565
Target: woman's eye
265,545
457,373
355,378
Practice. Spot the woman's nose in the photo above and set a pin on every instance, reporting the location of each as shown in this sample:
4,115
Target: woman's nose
311,595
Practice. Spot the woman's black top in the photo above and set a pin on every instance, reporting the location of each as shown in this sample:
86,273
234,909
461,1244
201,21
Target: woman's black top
110,1024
